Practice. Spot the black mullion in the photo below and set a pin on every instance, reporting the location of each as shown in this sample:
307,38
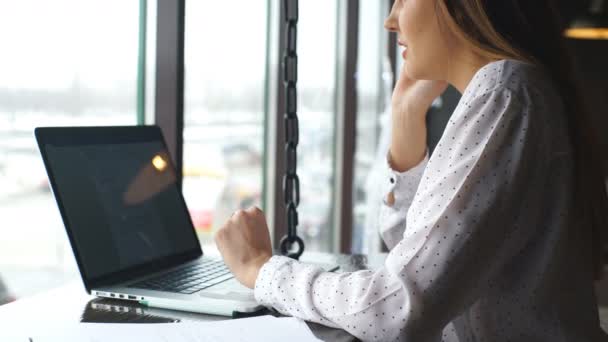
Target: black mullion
169,97
350,125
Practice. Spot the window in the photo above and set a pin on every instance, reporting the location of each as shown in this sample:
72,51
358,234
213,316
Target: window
224,110
317,52
62,64
374,89
69,65
225,92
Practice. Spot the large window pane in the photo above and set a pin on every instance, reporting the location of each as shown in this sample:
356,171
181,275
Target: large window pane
317,50
65,62
374,80
225,68
224,112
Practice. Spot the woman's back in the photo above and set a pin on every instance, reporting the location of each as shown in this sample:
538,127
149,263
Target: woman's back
543,290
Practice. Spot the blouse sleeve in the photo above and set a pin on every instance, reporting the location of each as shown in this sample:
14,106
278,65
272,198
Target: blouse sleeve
468,218
403,186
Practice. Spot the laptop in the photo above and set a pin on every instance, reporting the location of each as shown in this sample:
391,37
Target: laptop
128,223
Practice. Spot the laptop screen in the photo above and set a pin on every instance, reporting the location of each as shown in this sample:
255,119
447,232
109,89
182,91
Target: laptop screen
121,202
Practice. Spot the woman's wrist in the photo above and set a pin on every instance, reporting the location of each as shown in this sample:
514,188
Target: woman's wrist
254,270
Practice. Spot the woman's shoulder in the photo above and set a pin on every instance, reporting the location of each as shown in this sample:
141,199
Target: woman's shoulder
517,91
528,82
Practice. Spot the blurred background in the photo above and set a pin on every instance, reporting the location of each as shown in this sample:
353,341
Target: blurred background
80,63
97,62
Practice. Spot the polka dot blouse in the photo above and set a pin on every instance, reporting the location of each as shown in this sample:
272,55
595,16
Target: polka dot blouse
481,247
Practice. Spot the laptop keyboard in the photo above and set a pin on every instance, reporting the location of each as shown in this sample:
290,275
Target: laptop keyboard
190,279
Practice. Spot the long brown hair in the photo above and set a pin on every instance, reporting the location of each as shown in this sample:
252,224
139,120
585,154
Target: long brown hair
529,31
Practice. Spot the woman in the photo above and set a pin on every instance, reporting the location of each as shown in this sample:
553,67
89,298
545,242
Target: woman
491,238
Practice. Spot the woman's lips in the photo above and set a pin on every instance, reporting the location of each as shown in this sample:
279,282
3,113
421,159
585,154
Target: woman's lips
404,47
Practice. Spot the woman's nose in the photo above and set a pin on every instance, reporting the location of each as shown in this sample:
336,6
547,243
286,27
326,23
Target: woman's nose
390,23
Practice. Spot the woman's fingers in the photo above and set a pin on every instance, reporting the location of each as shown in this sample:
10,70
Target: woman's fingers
245,222
244,242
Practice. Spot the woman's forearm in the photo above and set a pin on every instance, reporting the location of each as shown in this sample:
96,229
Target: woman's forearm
408,141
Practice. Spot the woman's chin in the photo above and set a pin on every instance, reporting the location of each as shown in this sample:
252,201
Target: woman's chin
411,70
417,73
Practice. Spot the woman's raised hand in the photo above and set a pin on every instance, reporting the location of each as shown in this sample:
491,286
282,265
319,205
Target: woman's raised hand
415,97
410,103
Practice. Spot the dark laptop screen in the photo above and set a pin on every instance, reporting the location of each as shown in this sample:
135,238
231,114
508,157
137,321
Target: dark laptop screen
121,204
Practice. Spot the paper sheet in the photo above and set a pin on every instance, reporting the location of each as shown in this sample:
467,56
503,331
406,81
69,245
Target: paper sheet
263,328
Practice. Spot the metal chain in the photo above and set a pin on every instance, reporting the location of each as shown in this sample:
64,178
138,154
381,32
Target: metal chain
291,182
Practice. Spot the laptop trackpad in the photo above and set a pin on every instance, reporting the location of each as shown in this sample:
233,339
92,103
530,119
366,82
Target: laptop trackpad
231,289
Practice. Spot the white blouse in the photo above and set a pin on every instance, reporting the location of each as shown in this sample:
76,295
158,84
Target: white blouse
480,244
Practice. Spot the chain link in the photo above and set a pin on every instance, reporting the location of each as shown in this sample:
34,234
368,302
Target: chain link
291,181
